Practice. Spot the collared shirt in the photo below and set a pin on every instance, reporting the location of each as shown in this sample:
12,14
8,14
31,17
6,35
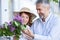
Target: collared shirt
48,30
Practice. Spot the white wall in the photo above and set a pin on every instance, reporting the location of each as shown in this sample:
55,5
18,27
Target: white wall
16,5
0,12
5,10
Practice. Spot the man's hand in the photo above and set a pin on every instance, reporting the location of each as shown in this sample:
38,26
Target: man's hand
28,32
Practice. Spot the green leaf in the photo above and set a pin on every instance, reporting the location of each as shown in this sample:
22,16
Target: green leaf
6,25
23,27
1,32
16,23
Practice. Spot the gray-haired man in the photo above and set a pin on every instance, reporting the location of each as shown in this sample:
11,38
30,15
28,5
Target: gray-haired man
47,26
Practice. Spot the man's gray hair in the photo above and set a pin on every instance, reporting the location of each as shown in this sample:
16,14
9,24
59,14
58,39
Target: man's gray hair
43,1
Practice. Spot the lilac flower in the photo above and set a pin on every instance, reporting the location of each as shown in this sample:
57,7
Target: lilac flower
10,23
1,26
18,18
12,28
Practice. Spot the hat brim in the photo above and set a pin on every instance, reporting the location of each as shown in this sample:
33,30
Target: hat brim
32,14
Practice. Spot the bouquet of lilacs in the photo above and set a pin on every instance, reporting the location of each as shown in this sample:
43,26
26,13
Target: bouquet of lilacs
14,27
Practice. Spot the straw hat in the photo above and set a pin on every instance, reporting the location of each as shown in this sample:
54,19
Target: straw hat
24,9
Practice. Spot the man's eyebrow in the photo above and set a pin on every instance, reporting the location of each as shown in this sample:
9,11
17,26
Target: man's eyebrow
38,9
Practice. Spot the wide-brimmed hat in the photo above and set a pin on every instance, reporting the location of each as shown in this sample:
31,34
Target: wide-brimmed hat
25,9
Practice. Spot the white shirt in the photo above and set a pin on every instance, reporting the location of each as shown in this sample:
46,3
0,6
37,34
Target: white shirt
49,30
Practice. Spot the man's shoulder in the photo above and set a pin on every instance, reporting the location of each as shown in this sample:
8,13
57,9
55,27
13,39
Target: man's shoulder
35,23
37,20
56,19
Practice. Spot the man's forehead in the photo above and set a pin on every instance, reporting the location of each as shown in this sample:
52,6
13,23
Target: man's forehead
39,6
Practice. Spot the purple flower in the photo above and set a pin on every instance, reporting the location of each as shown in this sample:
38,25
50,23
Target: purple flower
1,26
10,23
18,18
12,28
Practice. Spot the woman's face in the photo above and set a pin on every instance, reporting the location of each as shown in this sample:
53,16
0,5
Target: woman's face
25,18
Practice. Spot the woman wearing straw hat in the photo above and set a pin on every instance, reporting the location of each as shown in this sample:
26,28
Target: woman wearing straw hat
27,17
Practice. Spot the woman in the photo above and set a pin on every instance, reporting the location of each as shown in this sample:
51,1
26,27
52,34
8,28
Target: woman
27,17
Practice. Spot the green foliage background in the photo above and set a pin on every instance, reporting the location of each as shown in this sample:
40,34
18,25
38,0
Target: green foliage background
54,0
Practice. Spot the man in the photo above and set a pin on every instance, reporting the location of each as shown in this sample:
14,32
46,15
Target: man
47,26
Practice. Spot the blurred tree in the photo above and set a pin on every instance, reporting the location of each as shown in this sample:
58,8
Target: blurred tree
56,1
59,4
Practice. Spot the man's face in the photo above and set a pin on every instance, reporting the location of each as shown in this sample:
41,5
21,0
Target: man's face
41,9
